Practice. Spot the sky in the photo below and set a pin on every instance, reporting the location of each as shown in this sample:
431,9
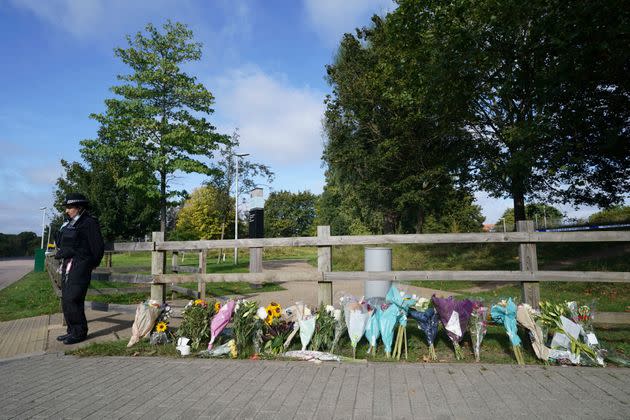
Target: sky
264,61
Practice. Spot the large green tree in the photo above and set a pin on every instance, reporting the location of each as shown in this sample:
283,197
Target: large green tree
385,139
159,115
290,214
202,215
541,86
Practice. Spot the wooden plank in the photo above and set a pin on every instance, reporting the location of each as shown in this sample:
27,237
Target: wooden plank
255,260
158,262
186,291
132,246
441,238
530,290
123,277
266,277
500,276
201,286
324,264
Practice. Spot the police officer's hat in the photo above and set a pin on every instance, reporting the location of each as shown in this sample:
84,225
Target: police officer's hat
76,200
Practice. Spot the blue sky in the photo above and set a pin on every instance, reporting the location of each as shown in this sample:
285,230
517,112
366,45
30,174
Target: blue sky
263,61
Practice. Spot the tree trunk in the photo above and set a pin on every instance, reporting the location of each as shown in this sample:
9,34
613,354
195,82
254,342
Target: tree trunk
519,207
419,220
390,220
162,201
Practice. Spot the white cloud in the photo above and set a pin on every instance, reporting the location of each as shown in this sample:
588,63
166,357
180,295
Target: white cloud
332,18
278,124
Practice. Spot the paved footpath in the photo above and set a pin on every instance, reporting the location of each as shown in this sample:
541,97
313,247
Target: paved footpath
57,386
13,269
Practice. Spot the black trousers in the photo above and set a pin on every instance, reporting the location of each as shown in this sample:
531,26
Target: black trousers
73,291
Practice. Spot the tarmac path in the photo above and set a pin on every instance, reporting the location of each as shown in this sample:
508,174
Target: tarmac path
57,386
13,269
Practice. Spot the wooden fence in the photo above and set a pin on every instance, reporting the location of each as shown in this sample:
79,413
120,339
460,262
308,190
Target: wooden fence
529,276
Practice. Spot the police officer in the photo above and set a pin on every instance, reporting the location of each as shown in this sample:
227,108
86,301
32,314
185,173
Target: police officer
80,248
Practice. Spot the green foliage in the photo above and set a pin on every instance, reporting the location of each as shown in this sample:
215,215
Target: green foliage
21,245
158,118
202,215
617,214
530,100
324,330
196,322
533,211
290,214
124,211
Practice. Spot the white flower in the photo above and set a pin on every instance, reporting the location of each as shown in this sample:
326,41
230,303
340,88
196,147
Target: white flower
330,309
337,314
261,312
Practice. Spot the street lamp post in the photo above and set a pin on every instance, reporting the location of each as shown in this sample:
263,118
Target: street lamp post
43,209
236,207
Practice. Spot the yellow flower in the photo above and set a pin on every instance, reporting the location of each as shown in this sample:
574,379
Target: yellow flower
161,327
233,351
217,306
200,302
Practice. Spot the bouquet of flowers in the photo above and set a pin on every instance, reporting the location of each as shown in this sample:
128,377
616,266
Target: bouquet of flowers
295,314
526,316
427,319
220,321
372,330
340,328
386,322
324,328
228,348
454,315
159,333
246,324
275,335
478,327
307,329
403,302
195,323
356,316
146,314
570,335
504,313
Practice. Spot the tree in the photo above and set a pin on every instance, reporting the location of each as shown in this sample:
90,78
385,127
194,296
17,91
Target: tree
533,211
616,214
385,139
158,118
124,211
541,87
201,216
290,214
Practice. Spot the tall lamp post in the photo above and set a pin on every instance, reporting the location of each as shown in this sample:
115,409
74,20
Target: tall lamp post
43,209
238,156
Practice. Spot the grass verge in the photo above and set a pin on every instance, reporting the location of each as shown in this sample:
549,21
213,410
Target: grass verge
32,295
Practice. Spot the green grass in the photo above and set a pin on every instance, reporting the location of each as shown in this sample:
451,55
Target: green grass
495,348
32,295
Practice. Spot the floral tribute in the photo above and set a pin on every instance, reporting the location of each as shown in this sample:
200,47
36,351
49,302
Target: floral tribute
478,327
195,322
428,321
454,315
504,313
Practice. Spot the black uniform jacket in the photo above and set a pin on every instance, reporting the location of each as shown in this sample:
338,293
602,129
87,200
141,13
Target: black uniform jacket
83,243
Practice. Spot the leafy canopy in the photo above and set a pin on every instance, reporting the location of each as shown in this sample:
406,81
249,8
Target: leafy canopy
159,115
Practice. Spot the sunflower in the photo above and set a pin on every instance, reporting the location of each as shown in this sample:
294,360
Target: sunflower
161,327
217,306
200,302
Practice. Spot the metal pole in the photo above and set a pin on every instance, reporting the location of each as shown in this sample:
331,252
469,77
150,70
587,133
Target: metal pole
236,207
236,214
43,209
545,216
504,230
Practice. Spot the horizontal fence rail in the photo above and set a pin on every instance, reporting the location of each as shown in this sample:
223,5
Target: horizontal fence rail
430,238
529,276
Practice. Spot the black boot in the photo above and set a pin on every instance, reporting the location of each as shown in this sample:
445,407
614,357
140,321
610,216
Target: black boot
63,337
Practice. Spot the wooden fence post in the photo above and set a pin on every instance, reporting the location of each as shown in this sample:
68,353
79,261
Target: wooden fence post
255,260
108,259
158,264
530,290
324,264
201,285
175,262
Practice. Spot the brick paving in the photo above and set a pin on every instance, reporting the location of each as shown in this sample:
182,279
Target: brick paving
57,386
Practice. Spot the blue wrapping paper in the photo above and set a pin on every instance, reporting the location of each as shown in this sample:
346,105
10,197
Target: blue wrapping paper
428,322
387,321
372,330
506,315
